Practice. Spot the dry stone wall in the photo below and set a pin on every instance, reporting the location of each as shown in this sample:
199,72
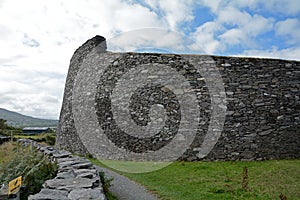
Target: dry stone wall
77,178
219,108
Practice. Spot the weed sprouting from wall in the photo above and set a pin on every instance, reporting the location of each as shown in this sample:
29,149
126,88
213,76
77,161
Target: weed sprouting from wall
245,179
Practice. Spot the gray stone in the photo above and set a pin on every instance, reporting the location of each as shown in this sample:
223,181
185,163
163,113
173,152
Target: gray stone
281,117
84,165
50,194
73,162
82,171
87,175
67,159
267,132
70,184
61,154
85,194
66,175
226,65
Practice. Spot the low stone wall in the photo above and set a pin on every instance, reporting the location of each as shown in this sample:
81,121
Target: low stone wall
4,139
77,178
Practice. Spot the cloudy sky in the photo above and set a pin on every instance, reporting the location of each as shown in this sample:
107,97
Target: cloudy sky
38,37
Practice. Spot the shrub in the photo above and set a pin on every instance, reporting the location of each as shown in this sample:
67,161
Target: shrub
31,165
106,183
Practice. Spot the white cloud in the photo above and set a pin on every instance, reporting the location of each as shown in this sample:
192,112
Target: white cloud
213,5
258,25
290,7
251,24
155,38
31,92
204,38
230,27
30,41
287,7
174,11
289,53
233,16
38,39
234,36
289,28
31,104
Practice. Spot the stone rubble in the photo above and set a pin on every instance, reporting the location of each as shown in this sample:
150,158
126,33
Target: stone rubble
76,179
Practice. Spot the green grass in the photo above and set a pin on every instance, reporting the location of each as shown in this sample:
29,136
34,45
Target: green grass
221,180
47,138
134,167
6,152
36,136
7,148
28,136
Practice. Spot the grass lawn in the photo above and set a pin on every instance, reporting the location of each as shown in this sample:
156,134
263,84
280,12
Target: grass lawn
222,180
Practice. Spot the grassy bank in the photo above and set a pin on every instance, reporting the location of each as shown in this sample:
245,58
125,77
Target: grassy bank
223,180
6,152
17,160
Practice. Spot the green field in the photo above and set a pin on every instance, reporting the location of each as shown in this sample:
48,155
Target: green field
222,180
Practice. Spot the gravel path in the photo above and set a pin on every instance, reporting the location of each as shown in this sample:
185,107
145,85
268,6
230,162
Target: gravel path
126,189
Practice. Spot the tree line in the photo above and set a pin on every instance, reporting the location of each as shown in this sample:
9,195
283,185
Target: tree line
4,128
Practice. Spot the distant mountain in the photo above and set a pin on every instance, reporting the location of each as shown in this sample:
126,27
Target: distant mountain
18,120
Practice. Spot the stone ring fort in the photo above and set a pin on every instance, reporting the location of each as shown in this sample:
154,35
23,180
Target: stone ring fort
113,78
166,107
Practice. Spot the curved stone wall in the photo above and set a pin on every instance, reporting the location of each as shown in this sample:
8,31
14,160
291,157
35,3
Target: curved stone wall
138,106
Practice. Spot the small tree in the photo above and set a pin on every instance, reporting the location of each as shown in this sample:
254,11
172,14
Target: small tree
2,124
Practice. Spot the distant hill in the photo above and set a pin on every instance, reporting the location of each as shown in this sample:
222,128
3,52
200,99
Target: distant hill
18,120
